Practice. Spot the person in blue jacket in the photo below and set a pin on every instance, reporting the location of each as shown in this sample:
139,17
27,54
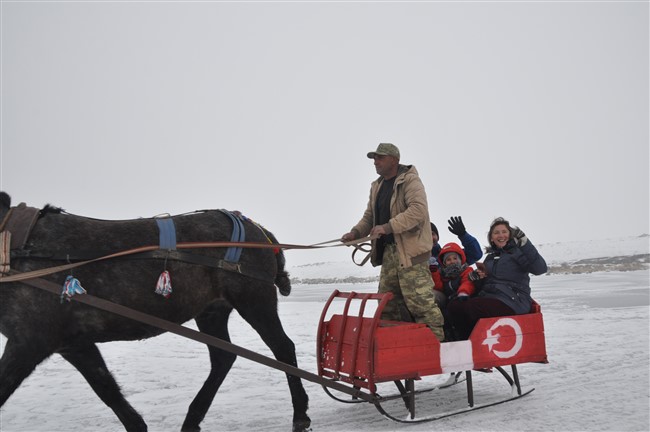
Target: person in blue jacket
502,280
471,247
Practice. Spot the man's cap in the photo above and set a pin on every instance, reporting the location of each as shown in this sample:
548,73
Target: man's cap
385,149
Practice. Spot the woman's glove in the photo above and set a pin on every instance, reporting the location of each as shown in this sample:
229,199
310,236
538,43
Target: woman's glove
519,236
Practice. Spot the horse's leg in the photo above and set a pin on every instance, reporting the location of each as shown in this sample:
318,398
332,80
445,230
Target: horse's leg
18,361
89,361
262,315
212,321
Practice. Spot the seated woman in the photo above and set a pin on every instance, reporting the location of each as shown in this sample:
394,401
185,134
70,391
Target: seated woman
502,282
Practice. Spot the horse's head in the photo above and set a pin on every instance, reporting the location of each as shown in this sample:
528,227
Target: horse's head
5,204
5,201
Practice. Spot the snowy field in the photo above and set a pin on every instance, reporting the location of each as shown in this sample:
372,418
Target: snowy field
597,379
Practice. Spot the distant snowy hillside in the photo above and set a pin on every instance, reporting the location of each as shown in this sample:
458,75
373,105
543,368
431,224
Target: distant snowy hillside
619,254
557,253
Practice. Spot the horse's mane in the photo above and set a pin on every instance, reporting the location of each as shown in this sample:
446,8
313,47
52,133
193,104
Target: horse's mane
49,208
5,202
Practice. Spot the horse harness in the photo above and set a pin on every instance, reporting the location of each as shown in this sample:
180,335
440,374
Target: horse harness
20,220
14,230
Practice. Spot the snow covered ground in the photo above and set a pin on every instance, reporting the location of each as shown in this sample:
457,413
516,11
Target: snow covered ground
597,336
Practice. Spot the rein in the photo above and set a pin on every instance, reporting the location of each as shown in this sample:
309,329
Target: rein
357,244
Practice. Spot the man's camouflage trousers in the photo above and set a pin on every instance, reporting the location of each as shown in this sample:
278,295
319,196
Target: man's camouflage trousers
412,288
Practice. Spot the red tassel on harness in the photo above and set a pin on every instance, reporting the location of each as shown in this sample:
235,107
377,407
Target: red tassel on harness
164,285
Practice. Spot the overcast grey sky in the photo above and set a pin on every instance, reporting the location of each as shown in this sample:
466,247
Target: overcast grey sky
537,111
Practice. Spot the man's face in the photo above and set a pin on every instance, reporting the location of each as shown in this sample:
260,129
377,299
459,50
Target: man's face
386,165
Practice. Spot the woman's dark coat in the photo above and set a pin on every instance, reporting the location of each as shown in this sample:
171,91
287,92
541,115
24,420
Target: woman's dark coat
508,277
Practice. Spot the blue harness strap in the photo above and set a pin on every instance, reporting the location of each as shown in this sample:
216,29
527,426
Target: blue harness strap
238,235
167,232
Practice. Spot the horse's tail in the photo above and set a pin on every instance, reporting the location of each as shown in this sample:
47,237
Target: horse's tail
282,276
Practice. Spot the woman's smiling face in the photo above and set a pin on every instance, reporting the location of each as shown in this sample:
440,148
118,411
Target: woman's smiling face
500,235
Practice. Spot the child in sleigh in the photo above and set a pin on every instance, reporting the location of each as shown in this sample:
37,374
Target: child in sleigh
453,280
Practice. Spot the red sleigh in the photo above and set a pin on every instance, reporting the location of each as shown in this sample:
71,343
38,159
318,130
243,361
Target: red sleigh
364,351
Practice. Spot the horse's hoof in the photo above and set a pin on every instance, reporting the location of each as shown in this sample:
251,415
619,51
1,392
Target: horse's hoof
302,426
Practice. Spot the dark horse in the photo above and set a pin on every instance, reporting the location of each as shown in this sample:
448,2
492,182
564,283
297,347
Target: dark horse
37,324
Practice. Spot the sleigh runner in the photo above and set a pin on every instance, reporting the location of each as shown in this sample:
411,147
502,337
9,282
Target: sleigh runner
363,351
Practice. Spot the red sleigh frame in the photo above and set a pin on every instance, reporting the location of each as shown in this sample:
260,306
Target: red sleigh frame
364,350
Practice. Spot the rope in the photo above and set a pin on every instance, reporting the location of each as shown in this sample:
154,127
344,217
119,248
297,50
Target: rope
187,245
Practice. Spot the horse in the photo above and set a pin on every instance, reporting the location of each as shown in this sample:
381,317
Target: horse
38,324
